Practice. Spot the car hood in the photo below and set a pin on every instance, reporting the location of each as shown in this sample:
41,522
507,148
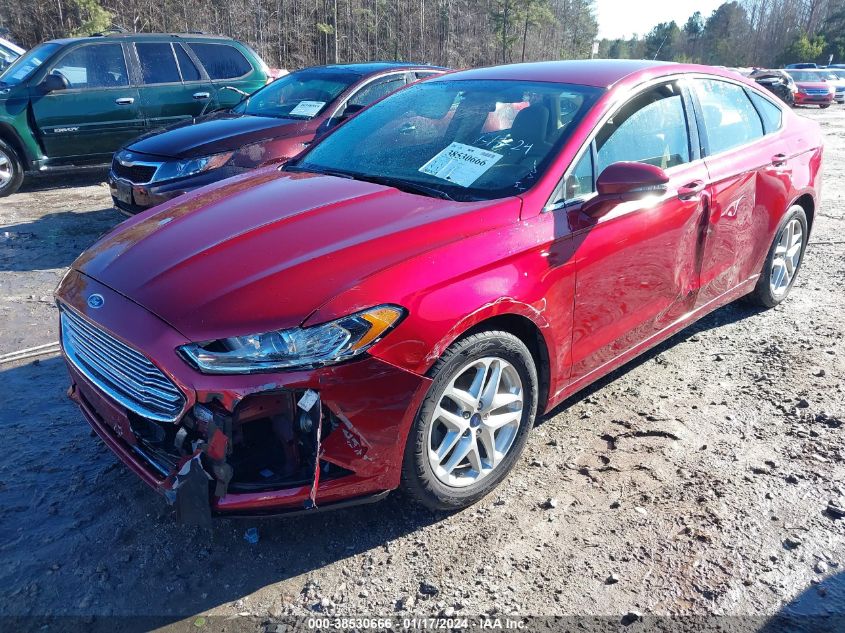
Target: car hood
218,132
812,84
262,251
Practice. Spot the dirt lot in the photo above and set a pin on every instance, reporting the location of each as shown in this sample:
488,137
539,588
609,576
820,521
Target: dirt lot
696,480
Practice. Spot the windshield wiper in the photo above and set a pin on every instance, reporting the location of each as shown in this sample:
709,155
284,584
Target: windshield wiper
404,185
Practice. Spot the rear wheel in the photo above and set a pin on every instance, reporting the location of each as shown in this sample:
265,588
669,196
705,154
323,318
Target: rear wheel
11,170
474,422
826,105
783,261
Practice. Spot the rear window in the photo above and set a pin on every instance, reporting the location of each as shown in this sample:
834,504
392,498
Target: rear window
769,112
186,65
221,61
729,117
158,65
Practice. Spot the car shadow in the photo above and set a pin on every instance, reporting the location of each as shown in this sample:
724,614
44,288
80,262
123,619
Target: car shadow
818,609
85,537
731,313
79,177
54,240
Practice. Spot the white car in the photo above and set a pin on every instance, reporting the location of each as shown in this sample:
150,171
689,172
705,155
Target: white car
836,77
9,52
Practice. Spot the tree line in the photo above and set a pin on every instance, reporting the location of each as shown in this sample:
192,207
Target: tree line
763,33
296,33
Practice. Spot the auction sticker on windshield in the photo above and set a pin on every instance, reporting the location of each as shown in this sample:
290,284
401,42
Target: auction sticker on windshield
461,164
307,108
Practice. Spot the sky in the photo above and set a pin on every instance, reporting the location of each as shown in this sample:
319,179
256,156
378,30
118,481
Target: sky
623,18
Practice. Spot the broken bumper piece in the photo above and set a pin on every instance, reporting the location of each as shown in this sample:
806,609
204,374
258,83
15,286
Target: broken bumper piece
264,444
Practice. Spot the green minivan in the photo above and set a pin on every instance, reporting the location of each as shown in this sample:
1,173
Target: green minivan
73,102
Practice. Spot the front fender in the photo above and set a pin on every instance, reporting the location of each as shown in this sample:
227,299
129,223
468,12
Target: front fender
15,128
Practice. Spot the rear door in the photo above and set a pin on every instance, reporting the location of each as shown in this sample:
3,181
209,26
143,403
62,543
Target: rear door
98,112
748,165
637,266
171,86
227,66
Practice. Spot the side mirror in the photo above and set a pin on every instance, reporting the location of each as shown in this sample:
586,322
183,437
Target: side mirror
624,182
54,82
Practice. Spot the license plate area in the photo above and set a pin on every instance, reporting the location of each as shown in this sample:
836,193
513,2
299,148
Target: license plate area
123,192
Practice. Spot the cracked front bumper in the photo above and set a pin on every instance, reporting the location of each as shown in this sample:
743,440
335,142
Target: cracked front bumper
368,407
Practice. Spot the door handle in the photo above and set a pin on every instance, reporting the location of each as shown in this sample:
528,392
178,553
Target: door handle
201,95
779,160
124,101
691,190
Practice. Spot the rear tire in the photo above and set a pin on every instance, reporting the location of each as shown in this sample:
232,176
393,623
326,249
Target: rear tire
786,254
825,106
11,170
461,447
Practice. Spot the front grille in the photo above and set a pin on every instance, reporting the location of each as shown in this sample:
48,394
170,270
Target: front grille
122,373
817,91
136,173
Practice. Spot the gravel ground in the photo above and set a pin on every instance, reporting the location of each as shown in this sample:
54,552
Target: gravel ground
696,480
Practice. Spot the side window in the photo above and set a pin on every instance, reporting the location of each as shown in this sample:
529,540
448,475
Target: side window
422,74
579,182
730,119
771,114
94,66
651,128
158,65
376,90
186,65
221,61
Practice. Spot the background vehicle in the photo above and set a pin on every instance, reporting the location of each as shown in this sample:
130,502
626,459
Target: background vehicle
396,305
272,125
836,77
813,89
777,82
803,65
73,102
9,52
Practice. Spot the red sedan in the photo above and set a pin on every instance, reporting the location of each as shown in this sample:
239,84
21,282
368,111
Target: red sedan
396,307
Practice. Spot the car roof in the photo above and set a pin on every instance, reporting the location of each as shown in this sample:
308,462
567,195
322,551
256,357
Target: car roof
599,73
141,36
367,68
586,72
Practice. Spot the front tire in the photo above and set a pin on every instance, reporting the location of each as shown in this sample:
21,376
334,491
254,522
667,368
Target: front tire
11,170
473,423
784,260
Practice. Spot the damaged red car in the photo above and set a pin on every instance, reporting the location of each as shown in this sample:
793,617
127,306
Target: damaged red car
397,306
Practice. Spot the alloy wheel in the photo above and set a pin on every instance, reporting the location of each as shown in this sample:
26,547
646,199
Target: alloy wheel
786,258
5,169
476,421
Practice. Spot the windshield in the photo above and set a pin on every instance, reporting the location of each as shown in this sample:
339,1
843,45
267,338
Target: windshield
806,75
463,140
26,64
300,95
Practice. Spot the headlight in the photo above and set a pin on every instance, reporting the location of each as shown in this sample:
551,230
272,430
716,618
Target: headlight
190,166
296,348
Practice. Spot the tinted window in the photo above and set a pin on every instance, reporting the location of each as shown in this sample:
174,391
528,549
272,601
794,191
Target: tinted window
376,90
94,66
730,119
769,112
188,68
158,65
422,74
431,136
221,61
651,128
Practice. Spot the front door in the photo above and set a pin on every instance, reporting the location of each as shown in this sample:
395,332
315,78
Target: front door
637,266
96,114
171,87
